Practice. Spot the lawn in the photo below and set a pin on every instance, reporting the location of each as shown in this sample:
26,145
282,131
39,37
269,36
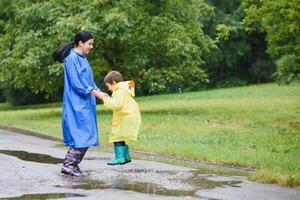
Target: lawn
255,126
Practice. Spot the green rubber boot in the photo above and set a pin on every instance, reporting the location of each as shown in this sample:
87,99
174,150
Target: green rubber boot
119,156
127,156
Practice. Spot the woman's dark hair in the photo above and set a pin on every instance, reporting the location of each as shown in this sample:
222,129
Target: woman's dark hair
63,50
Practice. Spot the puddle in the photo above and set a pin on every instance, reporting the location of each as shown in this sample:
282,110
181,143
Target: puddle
204,183
123,184
149,181
44,196
192,178
34,157
166,183
98,158
206,168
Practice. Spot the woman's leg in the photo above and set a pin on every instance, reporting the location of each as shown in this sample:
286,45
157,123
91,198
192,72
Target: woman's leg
80,157
73,157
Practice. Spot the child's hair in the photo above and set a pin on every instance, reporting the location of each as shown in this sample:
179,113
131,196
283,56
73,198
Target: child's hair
63,50
113,76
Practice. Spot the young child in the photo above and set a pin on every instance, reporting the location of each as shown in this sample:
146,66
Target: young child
126,118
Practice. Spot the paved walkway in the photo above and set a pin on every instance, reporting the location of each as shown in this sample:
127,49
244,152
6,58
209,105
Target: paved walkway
30,169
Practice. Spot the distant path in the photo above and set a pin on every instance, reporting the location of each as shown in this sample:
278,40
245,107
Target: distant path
30,169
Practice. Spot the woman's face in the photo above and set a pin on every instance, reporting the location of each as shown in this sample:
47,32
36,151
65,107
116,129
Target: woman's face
87,46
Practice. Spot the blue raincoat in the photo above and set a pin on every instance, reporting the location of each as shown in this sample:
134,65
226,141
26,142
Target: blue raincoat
79,119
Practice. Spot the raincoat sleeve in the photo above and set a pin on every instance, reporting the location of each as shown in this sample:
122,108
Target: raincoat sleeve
78,83
115,102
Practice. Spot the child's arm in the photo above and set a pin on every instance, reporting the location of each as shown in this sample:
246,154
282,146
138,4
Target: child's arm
115,102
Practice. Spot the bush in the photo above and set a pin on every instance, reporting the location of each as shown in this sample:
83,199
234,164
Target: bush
288,69
168,80
231,82
262,71
23,97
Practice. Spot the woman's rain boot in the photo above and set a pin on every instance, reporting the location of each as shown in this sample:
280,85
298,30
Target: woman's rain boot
79,156
119,156
73,158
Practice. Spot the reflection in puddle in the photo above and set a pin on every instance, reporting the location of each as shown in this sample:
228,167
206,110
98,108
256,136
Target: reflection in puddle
192,178
148,188
168,183
44,196
203,183
94,158
35,157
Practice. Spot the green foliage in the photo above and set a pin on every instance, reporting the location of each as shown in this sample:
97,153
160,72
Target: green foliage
280,20
231,82
262,70
239,53
173,80
132,36
224,32
2,90
22,96
158,38
288,69
165,46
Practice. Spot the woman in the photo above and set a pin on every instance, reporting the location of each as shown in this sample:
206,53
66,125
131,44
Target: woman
79,119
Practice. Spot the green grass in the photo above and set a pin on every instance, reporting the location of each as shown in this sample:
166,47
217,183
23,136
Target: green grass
254,126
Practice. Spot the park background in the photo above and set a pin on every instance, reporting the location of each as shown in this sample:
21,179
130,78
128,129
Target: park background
216,80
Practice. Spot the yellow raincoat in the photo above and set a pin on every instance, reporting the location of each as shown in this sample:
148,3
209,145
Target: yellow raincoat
126,118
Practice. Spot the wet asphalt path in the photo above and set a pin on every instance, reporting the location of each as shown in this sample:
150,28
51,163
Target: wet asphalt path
30,169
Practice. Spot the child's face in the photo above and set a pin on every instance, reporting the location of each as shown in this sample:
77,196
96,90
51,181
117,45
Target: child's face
111,86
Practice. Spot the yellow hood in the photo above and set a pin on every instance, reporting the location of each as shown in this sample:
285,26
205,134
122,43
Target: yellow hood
127,86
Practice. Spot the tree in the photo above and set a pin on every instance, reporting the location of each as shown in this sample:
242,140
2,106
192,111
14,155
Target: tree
160,44
280,20
240,56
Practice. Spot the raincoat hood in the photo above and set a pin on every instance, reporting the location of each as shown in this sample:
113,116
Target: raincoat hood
127,86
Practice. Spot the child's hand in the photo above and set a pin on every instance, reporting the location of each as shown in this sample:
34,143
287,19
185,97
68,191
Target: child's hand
99,95
104,95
